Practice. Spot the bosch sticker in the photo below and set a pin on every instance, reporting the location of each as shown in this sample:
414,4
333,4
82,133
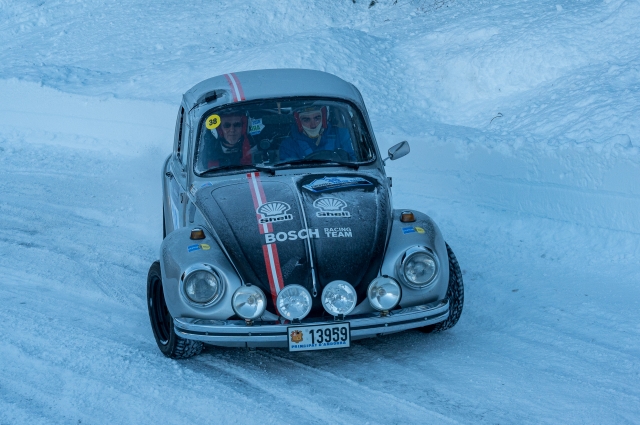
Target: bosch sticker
407,230
291,235
294,235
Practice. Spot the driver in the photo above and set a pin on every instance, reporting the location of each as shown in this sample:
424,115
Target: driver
312,133
228,143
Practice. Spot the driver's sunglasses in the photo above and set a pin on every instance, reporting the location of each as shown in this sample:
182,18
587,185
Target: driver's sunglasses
228,125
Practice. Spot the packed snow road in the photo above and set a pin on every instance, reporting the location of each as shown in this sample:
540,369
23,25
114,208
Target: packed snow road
525,150
544,335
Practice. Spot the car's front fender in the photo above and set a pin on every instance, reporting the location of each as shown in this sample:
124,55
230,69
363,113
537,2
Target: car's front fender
177,253
422,232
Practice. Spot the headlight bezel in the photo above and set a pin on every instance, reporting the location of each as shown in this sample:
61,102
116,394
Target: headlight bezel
202,267
289,288
407,256
246,288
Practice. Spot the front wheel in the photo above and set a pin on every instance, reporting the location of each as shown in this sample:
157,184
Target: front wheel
455,294
170,344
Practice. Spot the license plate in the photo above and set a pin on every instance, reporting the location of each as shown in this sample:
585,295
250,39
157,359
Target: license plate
319,337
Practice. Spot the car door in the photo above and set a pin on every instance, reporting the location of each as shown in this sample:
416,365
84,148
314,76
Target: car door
178,174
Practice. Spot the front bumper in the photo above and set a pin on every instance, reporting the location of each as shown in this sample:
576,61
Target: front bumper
236,333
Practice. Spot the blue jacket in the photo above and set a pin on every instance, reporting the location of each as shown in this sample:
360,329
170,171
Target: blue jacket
297,145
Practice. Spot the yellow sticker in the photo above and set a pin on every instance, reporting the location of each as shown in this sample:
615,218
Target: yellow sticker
204,247
213,121
419,229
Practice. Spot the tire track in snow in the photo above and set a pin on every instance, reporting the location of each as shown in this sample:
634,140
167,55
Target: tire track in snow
400,404
279,376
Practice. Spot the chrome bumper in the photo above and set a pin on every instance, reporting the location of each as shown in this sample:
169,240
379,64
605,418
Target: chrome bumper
236,333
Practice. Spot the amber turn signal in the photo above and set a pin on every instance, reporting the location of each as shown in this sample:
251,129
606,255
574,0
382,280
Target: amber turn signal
407,217
197,234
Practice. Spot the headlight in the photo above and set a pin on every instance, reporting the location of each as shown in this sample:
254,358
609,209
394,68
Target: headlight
419,267
339,298
201,285
384,293
249,302
294,302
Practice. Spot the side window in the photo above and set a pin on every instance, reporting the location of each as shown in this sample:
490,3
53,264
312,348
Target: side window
184,144
181,138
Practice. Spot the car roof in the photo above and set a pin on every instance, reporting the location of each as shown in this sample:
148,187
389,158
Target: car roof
270,83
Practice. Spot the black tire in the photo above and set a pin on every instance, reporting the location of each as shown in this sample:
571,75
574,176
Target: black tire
170,344
455,294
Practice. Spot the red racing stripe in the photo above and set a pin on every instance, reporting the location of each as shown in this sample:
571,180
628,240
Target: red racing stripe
270,275
234,92
237,81
269,251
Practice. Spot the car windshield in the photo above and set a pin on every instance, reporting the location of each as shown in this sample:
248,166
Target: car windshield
282,133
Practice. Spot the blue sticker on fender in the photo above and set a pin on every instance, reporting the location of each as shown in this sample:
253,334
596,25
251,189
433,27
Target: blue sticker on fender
202,246
407,230
329,183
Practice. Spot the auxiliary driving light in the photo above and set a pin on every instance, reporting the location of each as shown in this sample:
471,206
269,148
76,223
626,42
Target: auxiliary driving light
294,302
201,285
384,293
339,298
249,302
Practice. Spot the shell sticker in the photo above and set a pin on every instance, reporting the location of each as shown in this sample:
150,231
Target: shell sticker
213,121
419,229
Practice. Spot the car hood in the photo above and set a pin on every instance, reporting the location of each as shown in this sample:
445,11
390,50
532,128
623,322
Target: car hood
272,227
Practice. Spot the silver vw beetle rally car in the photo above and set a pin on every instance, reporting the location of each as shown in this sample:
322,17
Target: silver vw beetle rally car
279,226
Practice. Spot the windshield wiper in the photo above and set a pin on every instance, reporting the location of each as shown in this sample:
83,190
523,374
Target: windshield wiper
239,167
317,161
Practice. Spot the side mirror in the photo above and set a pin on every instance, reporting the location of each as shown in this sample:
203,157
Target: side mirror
398,151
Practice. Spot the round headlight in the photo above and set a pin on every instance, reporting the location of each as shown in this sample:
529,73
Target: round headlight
249,302
202,285
419,267
384,293
339,297
294,302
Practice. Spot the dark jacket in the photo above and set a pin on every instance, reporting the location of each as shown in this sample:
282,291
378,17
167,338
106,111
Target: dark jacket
298,145
213,155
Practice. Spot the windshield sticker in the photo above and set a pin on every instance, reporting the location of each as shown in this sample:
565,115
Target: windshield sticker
331,207
274,211
255,126
407,230
202,246
213,121
330,183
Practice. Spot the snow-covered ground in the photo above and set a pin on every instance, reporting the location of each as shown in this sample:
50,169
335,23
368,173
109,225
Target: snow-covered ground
524,123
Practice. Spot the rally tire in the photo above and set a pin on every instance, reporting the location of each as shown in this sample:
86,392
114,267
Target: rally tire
170,344
455,295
